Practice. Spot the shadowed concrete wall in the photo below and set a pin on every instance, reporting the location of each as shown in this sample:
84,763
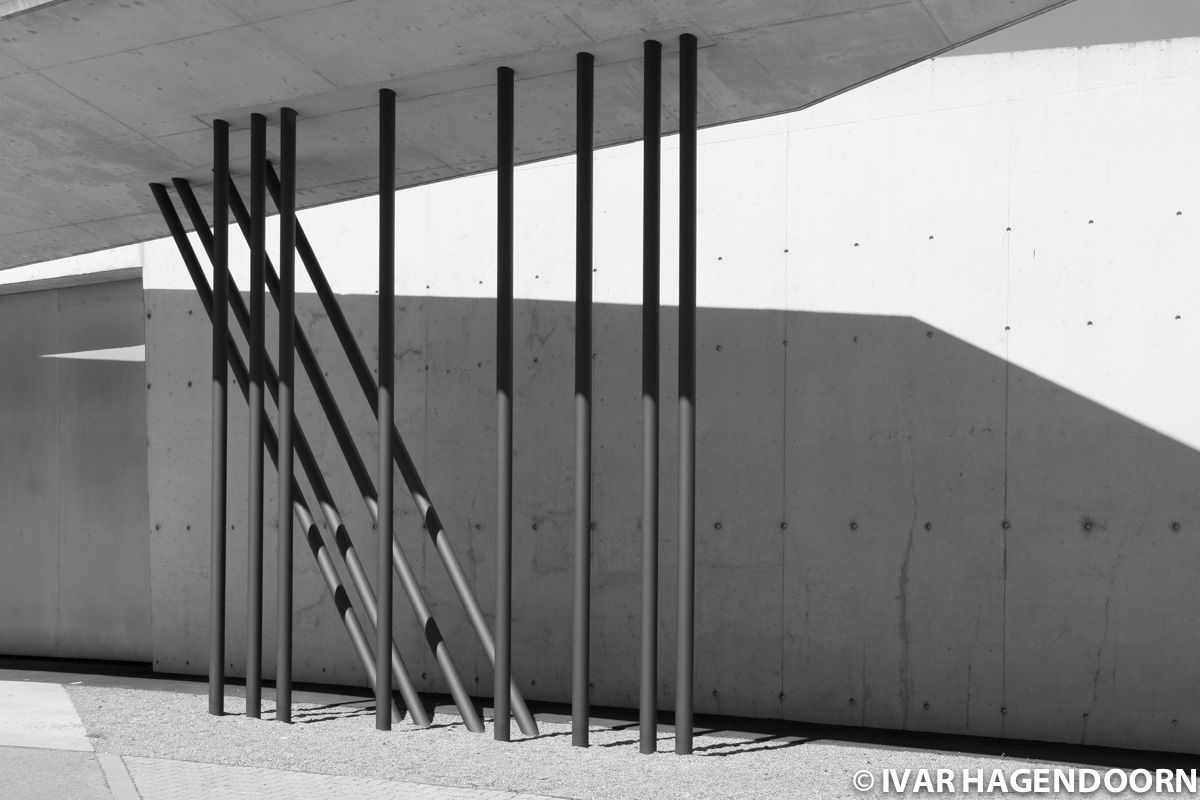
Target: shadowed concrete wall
947,443
74,556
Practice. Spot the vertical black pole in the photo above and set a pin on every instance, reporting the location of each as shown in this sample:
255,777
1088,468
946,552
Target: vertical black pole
254,532
504,389
387,381
287,372
687,392
651,190
583,399
220,406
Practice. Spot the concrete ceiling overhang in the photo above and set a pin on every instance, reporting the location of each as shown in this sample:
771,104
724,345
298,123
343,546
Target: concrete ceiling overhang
100,97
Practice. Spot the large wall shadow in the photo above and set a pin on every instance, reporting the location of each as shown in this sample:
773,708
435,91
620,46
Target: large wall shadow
895,528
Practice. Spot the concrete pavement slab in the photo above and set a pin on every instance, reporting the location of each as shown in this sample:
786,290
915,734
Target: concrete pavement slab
34,714
28,774
166,779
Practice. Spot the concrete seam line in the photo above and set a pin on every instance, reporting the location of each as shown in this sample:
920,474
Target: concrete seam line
117,777
36,741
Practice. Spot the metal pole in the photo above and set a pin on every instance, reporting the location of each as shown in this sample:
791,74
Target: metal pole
220,407
585,64
287,373
687,393
254,532
404,463
504,393
651,225
387,381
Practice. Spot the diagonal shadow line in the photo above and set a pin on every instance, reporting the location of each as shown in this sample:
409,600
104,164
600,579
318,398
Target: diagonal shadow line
308,719
726,745
621,727
625,742
346,704
432,727
741,746
744,750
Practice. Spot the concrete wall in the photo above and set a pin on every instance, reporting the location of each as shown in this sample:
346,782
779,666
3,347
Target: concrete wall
947,439
74,555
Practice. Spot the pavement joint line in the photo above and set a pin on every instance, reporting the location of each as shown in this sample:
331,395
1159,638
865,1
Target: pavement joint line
36,741
119,781
175,779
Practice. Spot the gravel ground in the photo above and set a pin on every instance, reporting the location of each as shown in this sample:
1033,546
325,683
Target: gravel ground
340,739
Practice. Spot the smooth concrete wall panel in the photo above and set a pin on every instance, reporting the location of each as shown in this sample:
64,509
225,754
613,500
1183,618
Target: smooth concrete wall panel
616,497
951,581
179,550
1098,575
931,496
104,567
74,571
739,507
30,494
543,469
895,482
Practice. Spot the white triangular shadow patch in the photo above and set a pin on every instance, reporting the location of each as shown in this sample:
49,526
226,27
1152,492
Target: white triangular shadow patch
136,352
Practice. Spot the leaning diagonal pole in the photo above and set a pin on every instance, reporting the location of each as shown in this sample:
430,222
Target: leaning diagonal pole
404,462
329,575
358,468
308,461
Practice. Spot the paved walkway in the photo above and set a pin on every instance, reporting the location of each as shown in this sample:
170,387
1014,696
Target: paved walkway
94,737
45,754
40,715
159,779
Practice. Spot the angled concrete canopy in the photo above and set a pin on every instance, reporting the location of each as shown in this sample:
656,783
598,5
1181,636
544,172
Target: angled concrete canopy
97,99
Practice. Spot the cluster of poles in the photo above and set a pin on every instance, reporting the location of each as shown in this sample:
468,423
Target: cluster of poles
257,376
651,238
